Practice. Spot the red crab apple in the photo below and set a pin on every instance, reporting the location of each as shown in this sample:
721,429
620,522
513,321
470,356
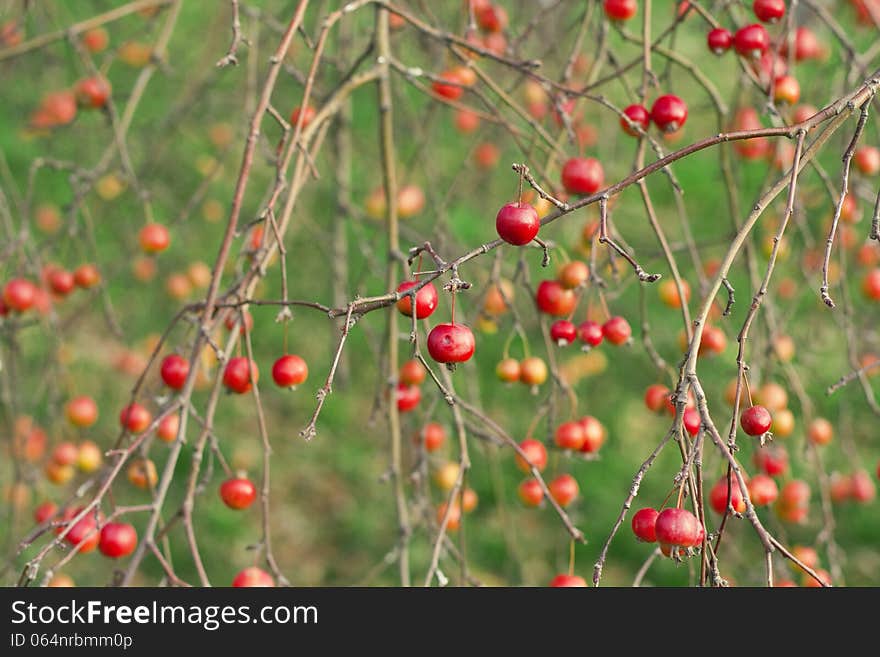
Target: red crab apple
82,411
64,453
755,420
118,539
308,115
154,238
644,523
787,90
563,332
719,40
426,299
871,285
762,490
492,18
620,10
669,113
532,371
569,435
862,489
806,45
238,492
449,84
751,41
638,115
412,372
820,431
174,370
530,492
719,494
771,460
408,397
553,299
535,452
691,420
656,396
433,436
289,371
616,330
867,160
84,533
451,343
168,427
517,223
92,92
594,434
508,370
135,418
582,175
677,527
60,281
591,333
96,40
769,11
86,276
569,581
564,489
19,294
573,274
253,577
240,374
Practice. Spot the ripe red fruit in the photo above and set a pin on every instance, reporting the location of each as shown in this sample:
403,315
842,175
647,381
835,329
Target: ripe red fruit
594,434
569,581
644,523
238,493
61,281
19,294
820,431
871,285
517,223
135,418
564,489
486,155
289,371
84,533
92,92
620,10
253,577
82,411
451,343
118,539
569,435
413,373
769,11
806,45
238,374
582,175
692,421
426,300
86,276
563,332
532,371
616,330
408,397
433,436
771,460
56,108
669,113
591,333
718,496
451,91
308,115
174,370
756,420
535,452
656,397
751,41
719,40
530,492
762,490
466,121
154,238
677,527
96,40
639,115
65,453
553,299
787,90
508,370
867,160
168,426
862,489
573,274
492,18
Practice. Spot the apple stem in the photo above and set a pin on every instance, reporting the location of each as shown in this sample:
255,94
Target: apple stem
519,190
571,557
